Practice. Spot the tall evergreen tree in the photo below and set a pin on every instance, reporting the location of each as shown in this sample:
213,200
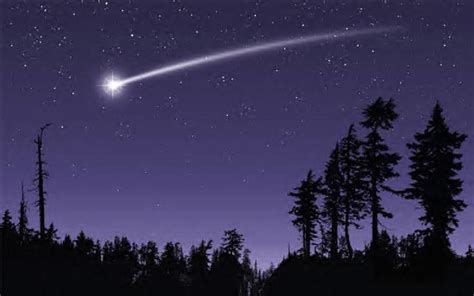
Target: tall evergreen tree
121,261
226,270
41,174
305,210
378,161
7,224
248,275
232,243
84,245
353,185
435,163
199,258
332,210
199,267
22,216
172,262
148,256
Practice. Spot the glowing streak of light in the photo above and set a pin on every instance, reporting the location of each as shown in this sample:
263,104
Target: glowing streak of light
248,50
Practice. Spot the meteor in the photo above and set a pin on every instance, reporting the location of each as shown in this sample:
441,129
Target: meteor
112,85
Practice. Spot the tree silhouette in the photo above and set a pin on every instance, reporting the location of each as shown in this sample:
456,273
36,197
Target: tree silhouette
332,210
67,243
148,257
84,245
409,248
23,230
305,210
8,249
353,185
41,174
354,178
226,270
8,228
248,274
378,162
199,267
435,163
51,234
232,243
120,259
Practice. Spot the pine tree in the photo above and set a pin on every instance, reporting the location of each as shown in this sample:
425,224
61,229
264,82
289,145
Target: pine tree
226,270
23,217
378,162
305,210
8,242
435,163
248,279
7,224
51,234
199,267
84,245
332,210
172,262
353,185
148,256
232,243
67,243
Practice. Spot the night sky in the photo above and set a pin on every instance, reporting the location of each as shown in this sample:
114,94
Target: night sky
185,156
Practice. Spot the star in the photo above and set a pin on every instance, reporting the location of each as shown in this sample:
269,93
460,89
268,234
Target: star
112,85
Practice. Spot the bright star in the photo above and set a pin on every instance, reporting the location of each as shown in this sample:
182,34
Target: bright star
112,85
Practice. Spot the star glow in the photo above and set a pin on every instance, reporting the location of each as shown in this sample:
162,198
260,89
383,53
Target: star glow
112,85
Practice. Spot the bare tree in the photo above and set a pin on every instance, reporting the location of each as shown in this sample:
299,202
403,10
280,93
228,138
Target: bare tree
41,175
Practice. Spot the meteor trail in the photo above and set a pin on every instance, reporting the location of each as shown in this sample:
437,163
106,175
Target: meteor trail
112,84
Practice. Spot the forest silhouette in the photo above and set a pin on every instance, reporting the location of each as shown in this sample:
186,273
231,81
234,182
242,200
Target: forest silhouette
325,210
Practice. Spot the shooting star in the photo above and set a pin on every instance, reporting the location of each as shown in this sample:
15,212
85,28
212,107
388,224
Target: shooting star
113,85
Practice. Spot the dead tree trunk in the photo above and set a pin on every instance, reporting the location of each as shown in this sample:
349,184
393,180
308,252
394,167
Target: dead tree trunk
41,174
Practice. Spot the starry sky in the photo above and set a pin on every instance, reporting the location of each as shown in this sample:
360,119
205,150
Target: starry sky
185,156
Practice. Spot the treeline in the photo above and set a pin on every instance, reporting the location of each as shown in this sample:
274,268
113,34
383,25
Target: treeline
326,211
38,262
32,265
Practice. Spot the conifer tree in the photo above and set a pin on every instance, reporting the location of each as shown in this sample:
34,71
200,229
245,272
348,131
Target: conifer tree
332,210
51,234
67,245
226,270
435,164
7,224
353,185
84,245
199,267
378,161
148,256
22,216
172,262
232,243
305,210
248,275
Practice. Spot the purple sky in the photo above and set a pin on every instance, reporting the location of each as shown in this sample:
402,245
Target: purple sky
218,146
